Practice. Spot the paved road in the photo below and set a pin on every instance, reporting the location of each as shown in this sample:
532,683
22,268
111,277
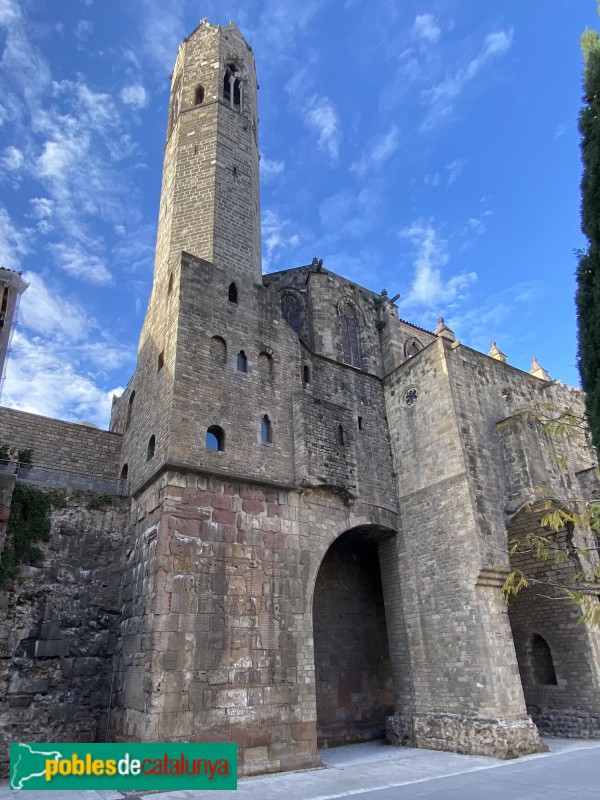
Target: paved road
373,771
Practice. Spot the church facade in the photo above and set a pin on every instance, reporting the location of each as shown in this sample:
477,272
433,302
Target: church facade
321,498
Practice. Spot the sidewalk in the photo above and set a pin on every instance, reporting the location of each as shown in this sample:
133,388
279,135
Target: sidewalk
374,770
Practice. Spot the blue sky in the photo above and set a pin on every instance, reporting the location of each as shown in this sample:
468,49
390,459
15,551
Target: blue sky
429,148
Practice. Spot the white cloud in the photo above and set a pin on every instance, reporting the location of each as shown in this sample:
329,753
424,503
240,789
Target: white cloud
322,118
270,167
348,213
84,29
41,312
135,96
12,159
9,11
428,287
426,27
276,239
13,242
379,151
440,98
78,263
455,168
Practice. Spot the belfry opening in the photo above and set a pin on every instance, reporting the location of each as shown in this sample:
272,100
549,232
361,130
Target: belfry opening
353,671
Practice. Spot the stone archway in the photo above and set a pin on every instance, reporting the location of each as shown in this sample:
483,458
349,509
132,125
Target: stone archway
353,671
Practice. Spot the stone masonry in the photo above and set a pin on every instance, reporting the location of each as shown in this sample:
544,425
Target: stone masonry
321,500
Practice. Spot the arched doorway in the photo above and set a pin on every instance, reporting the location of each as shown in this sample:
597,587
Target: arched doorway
353,671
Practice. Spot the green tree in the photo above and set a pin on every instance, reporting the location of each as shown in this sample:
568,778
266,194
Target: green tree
588,270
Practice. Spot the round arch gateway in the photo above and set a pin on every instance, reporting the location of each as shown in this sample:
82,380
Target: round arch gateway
353,672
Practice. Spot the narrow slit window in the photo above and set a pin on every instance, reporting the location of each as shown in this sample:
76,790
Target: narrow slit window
266,430
124,472
129,410
233,292
306,374
215,438
199,95
360,423
242,362
161,360
340,437
151,448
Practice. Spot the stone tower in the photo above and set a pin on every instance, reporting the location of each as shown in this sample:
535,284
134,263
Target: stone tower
12,287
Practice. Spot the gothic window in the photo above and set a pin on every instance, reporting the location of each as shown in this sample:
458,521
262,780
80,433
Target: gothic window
215,438
218,349
349,325
232,86
233,292
290,309
412,347
266,431
124,472
340,436
265,366
129,409
199,95
541,661
242,362
151,448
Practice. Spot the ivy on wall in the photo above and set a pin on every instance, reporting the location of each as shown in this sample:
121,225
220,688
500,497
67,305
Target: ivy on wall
29,522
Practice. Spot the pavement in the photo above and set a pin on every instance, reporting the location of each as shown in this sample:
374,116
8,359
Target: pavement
376,771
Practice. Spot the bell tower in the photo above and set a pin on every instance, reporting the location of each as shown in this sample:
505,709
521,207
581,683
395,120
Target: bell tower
210,203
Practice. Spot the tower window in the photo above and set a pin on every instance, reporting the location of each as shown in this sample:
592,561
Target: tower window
129,410
306,373
151,448
161,360
360,423
215,438
265,366
199,95
124,472
266,430
232,86
242,362
218,349
340,438
233,292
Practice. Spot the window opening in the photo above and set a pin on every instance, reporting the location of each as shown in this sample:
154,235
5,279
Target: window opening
233,292
215,438
218,349
360,423
151,448
542,662
290,309
129,409
124,471
232,86
340,436
306,374
266,431
412,347
242,362
161,360
350,344
265,366
199,95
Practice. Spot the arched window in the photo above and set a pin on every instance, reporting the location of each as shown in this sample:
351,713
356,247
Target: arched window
129,410
242,362
124,472
349,326
340,438
233,292
199,95
412,347
306,373
151,448
265,366
266,430
218,349
542,662
215,438
290,309
232,85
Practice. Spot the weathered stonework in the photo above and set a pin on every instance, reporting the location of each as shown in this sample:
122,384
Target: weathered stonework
321,501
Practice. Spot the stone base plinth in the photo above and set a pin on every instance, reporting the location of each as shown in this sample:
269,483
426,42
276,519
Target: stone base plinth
470,734
574,723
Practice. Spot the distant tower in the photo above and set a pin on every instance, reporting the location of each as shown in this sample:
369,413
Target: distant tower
12,287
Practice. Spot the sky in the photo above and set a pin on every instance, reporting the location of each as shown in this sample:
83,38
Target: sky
428,148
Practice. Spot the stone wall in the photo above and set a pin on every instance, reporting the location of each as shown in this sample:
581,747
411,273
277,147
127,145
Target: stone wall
59,621
62,445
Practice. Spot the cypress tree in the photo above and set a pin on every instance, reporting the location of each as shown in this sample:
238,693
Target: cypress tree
588,270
